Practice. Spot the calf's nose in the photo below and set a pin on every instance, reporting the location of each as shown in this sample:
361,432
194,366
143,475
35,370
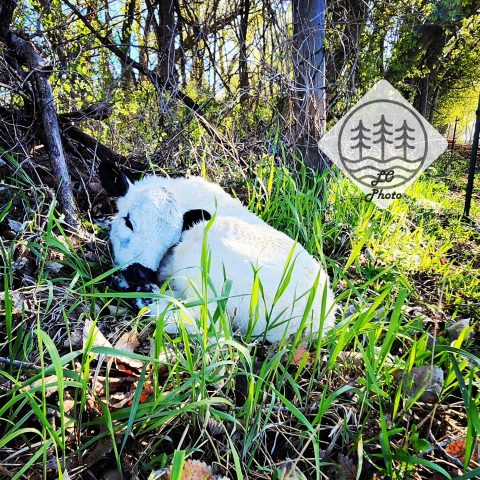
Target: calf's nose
136,274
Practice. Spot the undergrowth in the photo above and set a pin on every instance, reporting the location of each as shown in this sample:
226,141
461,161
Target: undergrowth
340,407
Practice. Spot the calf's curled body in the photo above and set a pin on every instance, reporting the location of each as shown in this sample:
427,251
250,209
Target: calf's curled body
155,230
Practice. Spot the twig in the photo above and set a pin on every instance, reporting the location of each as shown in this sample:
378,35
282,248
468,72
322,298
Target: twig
18,363
445,454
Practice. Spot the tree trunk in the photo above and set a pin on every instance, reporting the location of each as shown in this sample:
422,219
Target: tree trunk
243,84
166,37
309,76
422,97
128,78
25,53
7,8
432,40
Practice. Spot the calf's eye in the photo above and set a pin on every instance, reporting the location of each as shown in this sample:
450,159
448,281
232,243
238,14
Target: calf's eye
128,223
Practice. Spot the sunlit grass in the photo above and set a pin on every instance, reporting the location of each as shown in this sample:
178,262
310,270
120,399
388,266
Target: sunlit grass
233,402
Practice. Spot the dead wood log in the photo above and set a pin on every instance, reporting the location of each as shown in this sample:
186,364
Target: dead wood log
93,146
70,132
25,51
74,139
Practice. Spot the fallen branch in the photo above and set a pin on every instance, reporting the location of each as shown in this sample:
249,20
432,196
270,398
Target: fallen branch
25,51
18,363
102,152
74,139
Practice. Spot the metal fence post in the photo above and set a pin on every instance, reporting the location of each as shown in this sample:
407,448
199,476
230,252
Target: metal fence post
454,132
473,161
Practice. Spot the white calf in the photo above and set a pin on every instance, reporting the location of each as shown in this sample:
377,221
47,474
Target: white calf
159,230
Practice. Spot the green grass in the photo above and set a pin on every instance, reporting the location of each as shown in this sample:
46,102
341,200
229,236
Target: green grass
246,409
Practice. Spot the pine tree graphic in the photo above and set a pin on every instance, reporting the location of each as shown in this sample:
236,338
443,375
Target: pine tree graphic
361,137
405,137
383,132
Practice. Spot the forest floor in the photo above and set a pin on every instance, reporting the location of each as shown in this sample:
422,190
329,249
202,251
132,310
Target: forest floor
90,390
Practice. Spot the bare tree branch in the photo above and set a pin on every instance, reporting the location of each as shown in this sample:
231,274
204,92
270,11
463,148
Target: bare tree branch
18,364
102,152
94,111
243,83
27,54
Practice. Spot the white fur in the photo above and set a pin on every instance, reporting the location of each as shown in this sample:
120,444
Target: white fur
239,242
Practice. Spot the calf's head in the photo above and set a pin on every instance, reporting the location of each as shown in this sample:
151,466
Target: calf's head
147,223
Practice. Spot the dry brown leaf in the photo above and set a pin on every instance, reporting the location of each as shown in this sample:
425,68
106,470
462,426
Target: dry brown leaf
456,448
121,391
215,428
23,265
351,358
128,342
101,449
16,226
120,399
53,267
49,390
68,405
348,468
194,470
146,392
75,341
301,355
429,377
19,302
114,384
92,404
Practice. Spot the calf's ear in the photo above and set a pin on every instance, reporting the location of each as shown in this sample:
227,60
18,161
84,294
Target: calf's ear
114,181
192,217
